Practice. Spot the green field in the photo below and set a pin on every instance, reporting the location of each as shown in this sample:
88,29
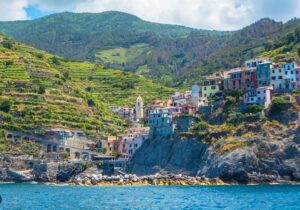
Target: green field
122,55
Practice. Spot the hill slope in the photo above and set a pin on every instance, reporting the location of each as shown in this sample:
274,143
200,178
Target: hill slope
173,55
65,33
82,36
40,89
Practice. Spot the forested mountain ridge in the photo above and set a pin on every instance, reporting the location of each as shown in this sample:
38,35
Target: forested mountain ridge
173,55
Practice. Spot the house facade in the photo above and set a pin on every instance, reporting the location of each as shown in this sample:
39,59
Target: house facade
160,122
212,85
263,74
283,77
260,96
235,79
130,142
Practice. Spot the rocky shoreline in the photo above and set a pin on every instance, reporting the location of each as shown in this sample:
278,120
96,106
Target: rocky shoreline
149,180
132,179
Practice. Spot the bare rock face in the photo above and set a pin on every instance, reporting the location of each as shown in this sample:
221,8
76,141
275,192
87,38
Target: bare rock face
178,156
68,171
46,172
263,160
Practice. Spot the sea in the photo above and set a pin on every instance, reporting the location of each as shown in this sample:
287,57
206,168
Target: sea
41,196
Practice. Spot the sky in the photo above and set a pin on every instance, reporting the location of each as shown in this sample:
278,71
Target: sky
203,14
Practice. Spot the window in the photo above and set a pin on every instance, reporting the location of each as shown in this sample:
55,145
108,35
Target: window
213,87
273,71
279,77
286,72
205,88
273,78
292,72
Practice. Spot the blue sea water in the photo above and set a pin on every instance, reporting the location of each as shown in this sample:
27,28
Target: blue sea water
262,197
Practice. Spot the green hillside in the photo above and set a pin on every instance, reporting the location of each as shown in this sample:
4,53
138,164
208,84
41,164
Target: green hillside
40,89
116,39
173,55
287,47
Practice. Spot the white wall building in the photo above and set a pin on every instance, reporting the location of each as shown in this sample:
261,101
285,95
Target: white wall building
283,77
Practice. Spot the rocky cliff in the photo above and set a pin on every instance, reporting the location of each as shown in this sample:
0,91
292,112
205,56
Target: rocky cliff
162,155
263,160
245,149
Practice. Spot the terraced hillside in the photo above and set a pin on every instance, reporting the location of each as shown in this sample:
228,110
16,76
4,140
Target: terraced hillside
40,89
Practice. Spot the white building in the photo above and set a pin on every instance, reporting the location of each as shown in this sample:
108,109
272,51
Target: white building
260,96
283,77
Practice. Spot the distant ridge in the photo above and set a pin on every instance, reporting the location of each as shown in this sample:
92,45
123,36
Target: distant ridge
170,54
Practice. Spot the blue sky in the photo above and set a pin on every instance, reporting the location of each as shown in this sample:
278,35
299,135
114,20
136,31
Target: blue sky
33,12
207,14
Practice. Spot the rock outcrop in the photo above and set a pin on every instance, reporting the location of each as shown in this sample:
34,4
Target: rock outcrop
263,160
46,172
177,156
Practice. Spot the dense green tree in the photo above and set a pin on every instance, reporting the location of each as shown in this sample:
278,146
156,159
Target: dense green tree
268,45
55,60
5,106
7,44
253,109
91,102
278,105
290,37
42,89
8,63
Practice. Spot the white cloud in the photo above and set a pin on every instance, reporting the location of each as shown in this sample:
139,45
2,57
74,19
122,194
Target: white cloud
13,10
209,14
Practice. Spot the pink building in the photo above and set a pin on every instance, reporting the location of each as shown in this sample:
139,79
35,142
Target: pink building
188,109
260,96
132,141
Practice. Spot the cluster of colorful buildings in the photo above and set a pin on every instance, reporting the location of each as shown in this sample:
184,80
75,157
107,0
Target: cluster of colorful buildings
257,79
125,145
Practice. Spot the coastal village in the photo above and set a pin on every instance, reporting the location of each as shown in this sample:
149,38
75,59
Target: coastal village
258,80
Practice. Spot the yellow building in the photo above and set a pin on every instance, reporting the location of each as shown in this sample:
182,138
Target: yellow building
109,145
211,85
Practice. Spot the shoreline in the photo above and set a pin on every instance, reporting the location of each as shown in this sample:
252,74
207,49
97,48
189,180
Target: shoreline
158,182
